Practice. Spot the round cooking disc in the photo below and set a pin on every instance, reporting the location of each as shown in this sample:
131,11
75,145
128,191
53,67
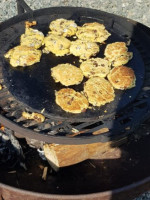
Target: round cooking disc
34,86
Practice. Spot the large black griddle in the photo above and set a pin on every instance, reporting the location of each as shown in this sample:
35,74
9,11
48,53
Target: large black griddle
34,86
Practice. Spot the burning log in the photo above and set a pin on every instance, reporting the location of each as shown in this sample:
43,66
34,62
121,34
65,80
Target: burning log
66,155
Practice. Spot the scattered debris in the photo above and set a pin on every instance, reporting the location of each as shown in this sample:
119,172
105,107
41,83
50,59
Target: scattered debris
75,133
74,130
12,172
23,165
42,111
100,131
128,42
44,176
41,154
128,128
92,164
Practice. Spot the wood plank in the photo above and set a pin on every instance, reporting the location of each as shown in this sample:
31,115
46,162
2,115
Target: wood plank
66,155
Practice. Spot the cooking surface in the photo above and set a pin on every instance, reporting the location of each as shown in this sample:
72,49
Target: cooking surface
54,127
34,86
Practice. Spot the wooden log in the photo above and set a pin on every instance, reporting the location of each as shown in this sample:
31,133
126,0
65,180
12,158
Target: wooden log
66,155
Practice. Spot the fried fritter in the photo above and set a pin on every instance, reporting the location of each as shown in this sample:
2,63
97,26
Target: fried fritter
67,74
23,56
99,91
63,27
93,32
32,38
95,67
58,45
117,53
71,101
122,77
84,49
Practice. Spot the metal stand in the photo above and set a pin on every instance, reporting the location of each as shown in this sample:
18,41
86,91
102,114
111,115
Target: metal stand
22,7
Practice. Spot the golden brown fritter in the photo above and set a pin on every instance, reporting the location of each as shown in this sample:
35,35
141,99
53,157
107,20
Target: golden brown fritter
95,67
93,32
32,38
99,91
122,77
84,49
63,27
58,45
67,74
117,53
71,101
23,56
36,116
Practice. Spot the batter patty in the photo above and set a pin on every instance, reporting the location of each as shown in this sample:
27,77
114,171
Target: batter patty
71,101
117,53
63,27
58,45
93,32
32,38
67,74
23,56
84,49
95,67
122,77
99,91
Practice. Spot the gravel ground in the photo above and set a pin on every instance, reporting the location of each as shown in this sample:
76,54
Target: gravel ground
135,9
